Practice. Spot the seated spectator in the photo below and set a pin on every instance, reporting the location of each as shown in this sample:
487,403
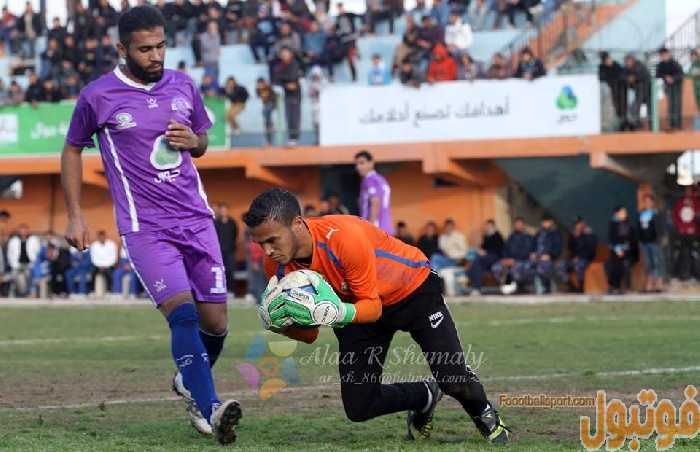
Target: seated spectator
478,13
637,85
649,243
419,11
458,35
428,241
335,206
22,250
378,74
429,35
268,97
522,5
209,87
529,67
49,268
442,67
500,7
287,38
453,247
407,48
71,86
623,245
80,269
5,99
490,252
237,96
123,270
103,255
211,50
314,42
50,92
263,34
499,69
440,12
15,93
468,68
409,74
70,51
51,59
515,269
686,218
379,11
107,56
582,250
33,91
403,234
548,247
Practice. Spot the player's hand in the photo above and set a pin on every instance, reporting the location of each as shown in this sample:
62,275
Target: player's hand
324,308
181,137
77,234
271,310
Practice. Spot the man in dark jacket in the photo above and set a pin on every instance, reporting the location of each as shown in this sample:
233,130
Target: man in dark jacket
611,73
515,269
227,231
623,250
582,250
529,67
637,84
490,252
672,75
548,246
286,74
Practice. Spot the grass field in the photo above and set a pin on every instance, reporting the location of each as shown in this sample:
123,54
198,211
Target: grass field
97,378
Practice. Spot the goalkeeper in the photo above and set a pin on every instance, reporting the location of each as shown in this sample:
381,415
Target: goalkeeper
385,286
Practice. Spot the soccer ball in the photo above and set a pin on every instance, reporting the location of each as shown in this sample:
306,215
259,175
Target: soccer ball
300,286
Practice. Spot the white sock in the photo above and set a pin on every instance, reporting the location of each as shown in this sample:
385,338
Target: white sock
430,399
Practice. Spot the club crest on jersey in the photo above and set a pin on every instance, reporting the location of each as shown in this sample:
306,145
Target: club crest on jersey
124,121
180,104
152,102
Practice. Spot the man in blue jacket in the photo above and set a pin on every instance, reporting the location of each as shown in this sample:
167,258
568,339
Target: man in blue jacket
582,249
515,269
547,249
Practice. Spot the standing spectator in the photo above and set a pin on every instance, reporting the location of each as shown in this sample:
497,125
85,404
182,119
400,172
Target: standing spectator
468,68
8,29
227,231
51,59
514,270
22,250
529,67
33,93
649,243
490,252
500,7
314,42
383,11
522,5
582,251
335,206
315,86
378,73
453,247
672,75
58,261
429,35
548,247
233,15
499,69
622,247
419,11
268,97
686,217
694,73
123,270
442,67
103,255
408,47
57,32
348,31
237,96
287,38
638,85
428,241
440,12
211,50
478,13
403,234
70,52
458,35
611,73
29,28
287,74
375,193
83,22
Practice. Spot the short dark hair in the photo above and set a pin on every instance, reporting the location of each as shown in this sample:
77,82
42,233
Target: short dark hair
618,208
491,221
4,213
547,217
364,154
663,50
449,221
519,219
139,18
401,224
275,204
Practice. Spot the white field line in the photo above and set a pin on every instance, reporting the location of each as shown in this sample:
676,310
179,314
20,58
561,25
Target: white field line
249,393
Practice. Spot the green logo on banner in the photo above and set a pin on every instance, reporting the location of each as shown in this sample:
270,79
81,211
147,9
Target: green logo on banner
567,99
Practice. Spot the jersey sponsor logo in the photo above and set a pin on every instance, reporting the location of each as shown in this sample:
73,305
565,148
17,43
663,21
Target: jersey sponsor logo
331,231
124,120
163,157
435,319
166,176
180,104
152,102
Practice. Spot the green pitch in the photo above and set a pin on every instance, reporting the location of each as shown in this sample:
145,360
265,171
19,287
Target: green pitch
97,378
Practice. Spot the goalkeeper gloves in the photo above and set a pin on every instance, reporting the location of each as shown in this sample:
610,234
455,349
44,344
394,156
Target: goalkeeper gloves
271,310
324,308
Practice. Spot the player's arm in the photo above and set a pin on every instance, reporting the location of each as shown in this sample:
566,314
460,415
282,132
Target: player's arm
374,205
82,126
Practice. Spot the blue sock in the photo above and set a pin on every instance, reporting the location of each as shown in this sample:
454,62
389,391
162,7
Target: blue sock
191,357
214,343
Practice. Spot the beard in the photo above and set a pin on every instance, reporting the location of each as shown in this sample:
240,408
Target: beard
142,74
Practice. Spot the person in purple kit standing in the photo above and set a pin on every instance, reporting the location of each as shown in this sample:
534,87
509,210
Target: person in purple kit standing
375,193
150,123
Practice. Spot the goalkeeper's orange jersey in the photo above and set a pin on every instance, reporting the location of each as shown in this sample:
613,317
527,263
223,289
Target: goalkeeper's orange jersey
364,265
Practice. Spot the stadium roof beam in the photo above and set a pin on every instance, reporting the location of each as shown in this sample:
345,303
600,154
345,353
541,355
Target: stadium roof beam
274,176
483,173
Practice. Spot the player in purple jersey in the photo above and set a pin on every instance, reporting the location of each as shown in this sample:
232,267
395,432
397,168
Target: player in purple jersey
375,194
150,123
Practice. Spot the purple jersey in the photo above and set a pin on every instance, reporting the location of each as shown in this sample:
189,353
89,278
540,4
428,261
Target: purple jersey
153,186
375,186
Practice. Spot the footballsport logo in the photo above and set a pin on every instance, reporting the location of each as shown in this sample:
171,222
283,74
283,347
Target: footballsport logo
269,366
